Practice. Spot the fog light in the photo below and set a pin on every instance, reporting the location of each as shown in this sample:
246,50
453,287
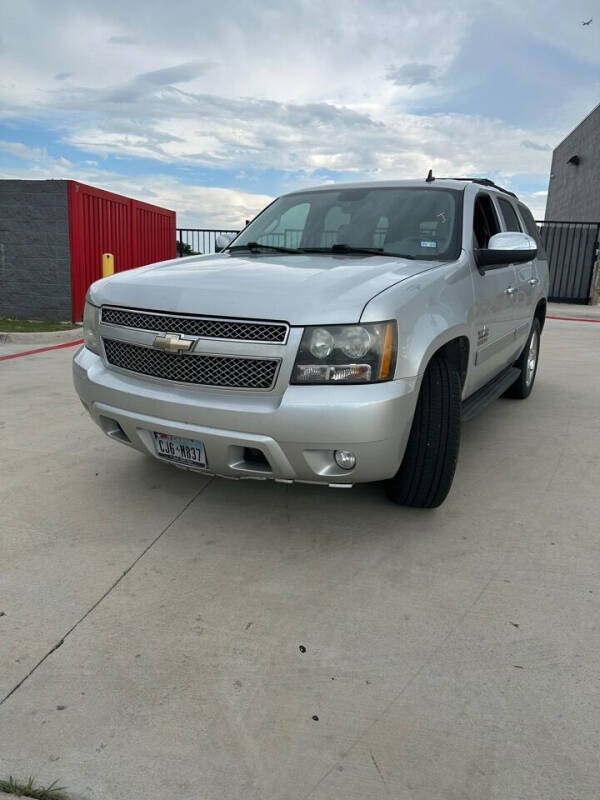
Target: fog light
344,459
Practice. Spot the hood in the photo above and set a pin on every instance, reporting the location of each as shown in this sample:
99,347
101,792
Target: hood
308,289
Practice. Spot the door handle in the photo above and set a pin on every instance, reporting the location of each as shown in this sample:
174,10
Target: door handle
511,290
533,281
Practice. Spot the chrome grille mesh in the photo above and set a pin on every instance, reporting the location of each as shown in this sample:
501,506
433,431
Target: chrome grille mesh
198,326
208,370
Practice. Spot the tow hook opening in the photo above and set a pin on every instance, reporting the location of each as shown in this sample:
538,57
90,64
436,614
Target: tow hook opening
112,428
249,459
256,459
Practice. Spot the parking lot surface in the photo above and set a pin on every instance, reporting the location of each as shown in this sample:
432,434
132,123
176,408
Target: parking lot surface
171,635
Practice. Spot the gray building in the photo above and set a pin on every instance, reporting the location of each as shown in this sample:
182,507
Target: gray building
35,262
574,187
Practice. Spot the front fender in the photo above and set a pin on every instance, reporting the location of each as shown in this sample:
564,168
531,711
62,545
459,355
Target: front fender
431,309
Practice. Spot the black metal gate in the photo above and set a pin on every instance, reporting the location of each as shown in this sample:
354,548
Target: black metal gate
198,241
572,249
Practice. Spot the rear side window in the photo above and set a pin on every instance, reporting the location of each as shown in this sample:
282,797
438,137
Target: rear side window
511,220
532,228
485,220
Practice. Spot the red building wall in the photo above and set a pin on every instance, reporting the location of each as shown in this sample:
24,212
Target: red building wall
100,222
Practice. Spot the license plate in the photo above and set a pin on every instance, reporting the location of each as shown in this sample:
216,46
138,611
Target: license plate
183,451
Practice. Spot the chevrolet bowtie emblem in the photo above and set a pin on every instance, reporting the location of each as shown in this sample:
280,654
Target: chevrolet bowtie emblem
173,343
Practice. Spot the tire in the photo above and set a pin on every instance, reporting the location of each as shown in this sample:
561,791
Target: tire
528,364
427,470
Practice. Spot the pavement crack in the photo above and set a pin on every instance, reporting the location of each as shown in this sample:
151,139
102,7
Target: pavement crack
379,772
113,585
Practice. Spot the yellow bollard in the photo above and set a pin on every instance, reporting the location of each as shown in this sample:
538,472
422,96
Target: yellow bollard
108,264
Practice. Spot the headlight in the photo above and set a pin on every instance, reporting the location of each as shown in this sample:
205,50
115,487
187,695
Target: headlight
90,328
321,343
355,342
346,354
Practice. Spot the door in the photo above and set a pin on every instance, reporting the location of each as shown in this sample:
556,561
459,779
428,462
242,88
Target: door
526,276
495,302
537,278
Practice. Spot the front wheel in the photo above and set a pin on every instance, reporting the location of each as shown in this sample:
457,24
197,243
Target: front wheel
528,364
427,470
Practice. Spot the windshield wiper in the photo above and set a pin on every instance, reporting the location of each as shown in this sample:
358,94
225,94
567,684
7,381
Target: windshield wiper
348,248
256,247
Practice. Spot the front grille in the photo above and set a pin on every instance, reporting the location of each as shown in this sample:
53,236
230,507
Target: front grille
207,327
208,370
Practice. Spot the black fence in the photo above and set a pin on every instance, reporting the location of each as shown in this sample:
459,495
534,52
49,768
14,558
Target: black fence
572,249
198,241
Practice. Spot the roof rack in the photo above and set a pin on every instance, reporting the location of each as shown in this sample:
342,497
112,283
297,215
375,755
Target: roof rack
485,182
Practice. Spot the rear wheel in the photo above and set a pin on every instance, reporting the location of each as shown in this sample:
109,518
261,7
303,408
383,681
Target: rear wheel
528,364
427,470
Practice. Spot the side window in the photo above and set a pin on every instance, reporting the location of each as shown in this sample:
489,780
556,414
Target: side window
485,220
532,228
511,220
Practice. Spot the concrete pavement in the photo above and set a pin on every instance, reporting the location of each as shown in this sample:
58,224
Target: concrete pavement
449,655
573,310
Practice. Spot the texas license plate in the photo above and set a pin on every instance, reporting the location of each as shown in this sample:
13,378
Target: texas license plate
184,451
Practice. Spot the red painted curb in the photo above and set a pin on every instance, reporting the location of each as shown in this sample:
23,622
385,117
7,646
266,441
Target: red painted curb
41,350
574,319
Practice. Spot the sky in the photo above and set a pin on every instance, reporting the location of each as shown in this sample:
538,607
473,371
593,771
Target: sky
213,109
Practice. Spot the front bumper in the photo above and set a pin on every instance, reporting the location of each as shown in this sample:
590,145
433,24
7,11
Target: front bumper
297,431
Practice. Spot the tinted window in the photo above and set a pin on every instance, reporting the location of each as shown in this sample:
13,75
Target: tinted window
418,222
532,228
511,220
485,220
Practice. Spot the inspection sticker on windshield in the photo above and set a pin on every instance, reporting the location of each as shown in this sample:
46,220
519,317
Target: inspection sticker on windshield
185,451
427,243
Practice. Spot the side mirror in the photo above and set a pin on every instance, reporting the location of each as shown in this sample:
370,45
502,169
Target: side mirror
223,240
506,248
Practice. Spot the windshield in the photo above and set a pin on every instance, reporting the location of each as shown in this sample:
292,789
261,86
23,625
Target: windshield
404,221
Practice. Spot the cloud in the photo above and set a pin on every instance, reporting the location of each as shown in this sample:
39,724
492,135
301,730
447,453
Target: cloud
146,82
197,206
21,150
231,133
301,50
534,145
506,69
294,93
180,73
412,74
122,40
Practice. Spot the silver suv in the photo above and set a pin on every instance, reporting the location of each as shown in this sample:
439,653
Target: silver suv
342,337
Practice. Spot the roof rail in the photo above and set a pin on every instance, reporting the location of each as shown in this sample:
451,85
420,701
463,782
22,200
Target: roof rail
485,182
